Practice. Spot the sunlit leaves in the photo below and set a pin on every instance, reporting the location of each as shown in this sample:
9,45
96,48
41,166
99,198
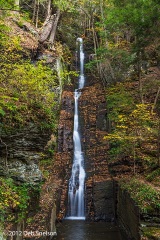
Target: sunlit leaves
14,199
119,102
28,85
7,4
132,125
26,89
64,5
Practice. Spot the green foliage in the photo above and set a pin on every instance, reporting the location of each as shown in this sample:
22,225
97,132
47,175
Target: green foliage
132,125
145,196
119,102
2,113
14,198
46,162
26,89
140,16
29,220
126,29
32,85
7,4
64,5
151,232
156,173
45,165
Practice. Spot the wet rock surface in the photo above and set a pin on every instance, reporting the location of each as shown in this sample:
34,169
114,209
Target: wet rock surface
99,193
99,197
64,155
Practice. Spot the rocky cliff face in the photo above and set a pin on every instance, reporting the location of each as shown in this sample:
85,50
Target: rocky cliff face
99,197
99,185
54,190
63,158
21,153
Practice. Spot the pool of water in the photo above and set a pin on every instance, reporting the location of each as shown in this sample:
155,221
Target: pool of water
82,230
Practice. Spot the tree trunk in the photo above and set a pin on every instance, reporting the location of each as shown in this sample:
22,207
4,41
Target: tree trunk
37,13
46,29
48,12
103,22
49,28
134,157
34,11
158,145
54,27
16,7
139,76
155,100
16,2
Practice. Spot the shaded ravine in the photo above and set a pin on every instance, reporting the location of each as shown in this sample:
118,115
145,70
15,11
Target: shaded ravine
99,187
90,103
99,194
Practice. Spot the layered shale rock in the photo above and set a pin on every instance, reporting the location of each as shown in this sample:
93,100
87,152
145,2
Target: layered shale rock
21,153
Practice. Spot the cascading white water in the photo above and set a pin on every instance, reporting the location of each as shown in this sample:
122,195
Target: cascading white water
76,182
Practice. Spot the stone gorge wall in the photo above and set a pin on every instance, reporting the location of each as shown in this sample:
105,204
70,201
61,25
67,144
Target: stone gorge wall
21,153
128,215
20,156
64,155
24,152
99,197
54,192
53,197
137,225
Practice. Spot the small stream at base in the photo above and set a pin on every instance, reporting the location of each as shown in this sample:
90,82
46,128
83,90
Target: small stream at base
82,230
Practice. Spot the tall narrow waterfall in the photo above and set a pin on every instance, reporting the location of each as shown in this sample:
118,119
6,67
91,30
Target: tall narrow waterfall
76,182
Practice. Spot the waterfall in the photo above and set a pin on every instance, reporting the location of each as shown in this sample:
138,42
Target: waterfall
76,182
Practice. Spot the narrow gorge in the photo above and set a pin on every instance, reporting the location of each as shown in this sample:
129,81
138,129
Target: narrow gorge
99,190
79,120
76,207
